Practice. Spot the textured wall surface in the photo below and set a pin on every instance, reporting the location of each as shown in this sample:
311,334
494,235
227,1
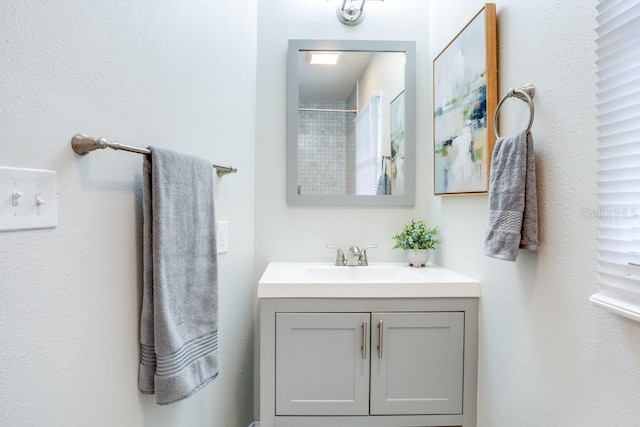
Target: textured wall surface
547,357
142,73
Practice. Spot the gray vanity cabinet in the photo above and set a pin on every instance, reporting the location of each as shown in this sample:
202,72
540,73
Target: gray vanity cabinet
368,362
325,365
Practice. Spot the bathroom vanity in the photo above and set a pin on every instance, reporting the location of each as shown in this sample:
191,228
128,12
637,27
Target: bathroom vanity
384,345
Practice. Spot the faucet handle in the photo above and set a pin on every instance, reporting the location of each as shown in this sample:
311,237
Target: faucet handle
363,254
340,259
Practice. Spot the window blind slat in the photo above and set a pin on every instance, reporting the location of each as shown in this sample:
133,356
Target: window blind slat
605,6
610,10
621,281
620,126
612,163
612,25
611,110
618,91
617,58
623,148
622,186
611,52
619,198
619,244
620,174
626,81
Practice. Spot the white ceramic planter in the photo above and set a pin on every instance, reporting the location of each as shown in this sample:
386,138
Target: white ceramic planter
417,257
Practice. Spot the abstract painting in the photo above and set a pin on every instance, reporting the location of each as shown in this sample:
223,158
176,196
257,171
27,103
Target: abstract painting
464,101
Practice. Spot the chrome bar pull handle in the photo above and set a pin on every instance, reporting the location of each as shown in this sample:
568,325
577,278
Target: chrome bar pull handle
364,339
380,338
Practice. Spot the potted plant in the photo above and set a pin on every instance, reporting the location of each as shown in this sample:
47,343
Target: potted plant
416,239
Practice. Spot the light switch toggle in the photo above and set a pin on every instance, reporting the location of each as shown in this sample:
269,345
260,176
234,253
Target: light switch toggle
39,200
15,197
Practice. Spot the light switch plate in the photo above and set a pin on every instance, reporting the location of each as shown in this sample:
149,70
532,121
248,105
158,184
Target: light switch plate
28,199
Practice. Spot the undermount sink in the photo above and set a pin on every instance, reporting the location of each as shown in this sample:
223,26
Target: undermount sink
368,274
377,280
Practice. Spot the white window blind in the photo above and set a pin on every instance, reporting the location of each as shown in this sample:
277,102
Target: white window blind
368,154
618,39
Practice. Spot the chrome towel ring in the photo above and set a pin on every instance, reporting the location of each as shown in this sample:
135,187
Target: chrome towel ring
524,93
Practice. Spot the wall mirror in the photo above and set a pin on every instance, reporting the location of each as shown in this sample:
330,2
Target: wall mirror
351,123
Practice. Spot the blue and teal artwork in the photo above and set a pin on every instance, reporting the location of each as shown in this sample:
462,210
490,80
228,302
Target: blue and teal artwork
460,113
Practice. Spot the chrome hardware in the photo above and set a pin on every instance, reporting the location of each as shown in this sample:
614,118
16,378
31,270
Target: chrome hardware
524,93
353,256
83,144
364,339
363,254
380,336
350,14
340,260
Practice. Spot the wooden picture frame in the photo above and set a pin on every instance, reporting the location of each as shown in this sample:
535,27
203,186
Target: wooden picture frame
465,95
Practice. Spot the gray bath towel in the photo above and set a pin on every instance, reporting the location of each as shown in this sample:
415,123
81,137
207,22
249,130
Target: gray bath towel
179,319
513,202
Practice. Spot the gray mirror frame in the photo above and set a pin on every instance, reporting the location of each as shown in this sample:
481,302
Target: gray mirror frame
406,199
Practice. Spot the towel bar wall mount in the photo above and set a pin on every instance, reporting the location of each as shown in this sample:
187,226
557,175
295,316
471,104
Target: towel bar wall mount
524,93
83,144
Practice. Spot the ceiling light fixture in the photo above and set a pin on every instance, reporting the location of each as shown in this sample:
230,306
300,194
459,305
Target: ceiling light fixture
323,58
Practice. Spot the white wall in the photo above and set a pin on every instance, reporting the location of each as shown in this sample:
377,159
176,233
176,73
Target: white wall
547,357
172,74
298,233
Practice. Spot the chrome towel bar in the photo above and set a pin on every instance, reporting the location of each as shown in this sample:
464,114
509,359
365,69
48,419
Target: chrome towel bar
524,93
83,144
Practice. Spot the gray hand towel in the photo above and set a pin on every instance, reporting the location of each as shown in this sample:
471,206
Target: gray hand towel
513,203
179,319
384,183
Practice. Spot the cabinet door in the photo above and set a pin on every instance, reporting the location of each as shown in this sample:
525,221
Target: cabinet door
419,367
322,363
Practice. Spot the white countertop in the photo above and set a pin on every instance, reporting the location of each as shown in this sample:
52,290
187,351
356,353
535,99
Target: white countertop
380,280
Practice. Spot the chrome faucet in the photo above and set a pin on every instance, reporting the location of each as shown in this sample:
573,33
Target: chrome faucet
355,255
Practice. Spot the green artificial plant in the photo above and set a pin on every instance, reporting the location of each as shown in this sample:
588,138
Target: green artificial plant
416,235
